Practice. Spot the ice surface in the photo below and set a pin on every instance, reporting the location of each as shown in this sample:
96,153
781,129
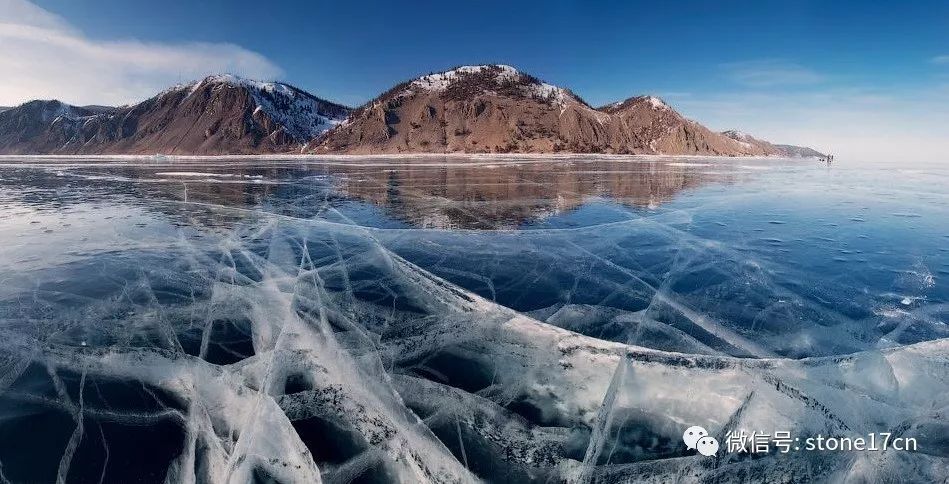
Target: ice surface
555,322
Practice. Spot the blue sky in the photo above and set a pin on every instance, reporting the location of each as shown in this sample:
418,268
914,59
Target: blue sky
796,71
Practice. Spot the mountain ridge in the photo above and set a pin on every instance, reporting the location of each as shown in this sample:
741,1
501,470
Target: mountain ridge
494,108
489,108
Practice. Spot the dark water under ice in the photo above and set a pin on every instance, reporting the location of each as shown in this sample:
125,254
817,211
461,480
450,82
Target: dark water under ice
289,321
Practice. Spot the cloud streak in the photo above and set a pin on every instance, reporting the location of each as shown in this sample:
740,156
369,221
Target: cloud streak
940,59
44,57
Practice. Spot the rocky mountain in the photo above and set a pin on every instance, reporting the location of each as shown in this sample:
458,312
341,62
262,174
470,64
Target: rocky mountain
470,109
40,126
787,151
490,108
792,151
217,115
497,109
652,126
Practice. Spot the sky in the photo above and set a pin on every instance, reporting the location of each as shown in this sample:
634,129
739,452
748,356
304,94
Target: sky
861,79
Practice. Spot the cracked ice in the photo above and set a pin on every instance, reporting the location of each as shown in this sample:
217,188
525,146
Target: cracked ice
496,320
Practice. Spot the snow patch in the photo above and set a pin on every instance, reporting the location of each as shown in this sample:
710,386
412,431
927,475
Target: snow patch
439,82
737,135
656,103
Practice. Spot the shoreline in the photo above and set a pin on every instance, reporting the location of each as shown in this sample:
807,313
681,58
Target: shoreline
522,157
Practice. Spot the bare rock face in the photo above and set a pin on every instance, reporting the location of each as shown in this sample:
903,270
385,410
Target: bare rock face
474,109
39,126
218,115
496,109
654,127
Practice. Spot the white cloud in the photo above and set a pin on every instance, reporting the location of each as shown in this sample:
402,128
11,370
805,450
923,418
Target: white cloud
940,59
770,72
43,57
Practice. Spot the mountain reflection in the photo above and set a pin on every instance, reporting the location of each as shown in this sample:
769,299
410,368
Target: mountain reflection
418,193
499,196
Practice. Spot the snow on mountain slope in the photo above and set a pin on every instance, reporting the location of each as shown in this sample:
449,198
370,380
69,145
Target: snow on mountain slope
302,115
440,81
496,108
40,126
737,135
221,114
502,75
482,109
491,108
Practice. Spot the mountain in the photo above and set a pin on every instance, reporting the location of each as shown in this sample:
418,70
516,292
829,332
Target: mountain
495,108
40,126
653,126
792,151
489,108
217,115
786,151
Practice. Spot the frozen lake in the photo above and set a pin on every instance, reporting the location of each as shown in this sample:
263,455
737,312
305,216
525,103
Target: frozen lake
499,319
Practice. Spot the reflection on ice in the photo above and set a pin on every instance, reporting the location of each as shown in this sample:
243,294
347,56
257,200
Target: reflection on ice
311,328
